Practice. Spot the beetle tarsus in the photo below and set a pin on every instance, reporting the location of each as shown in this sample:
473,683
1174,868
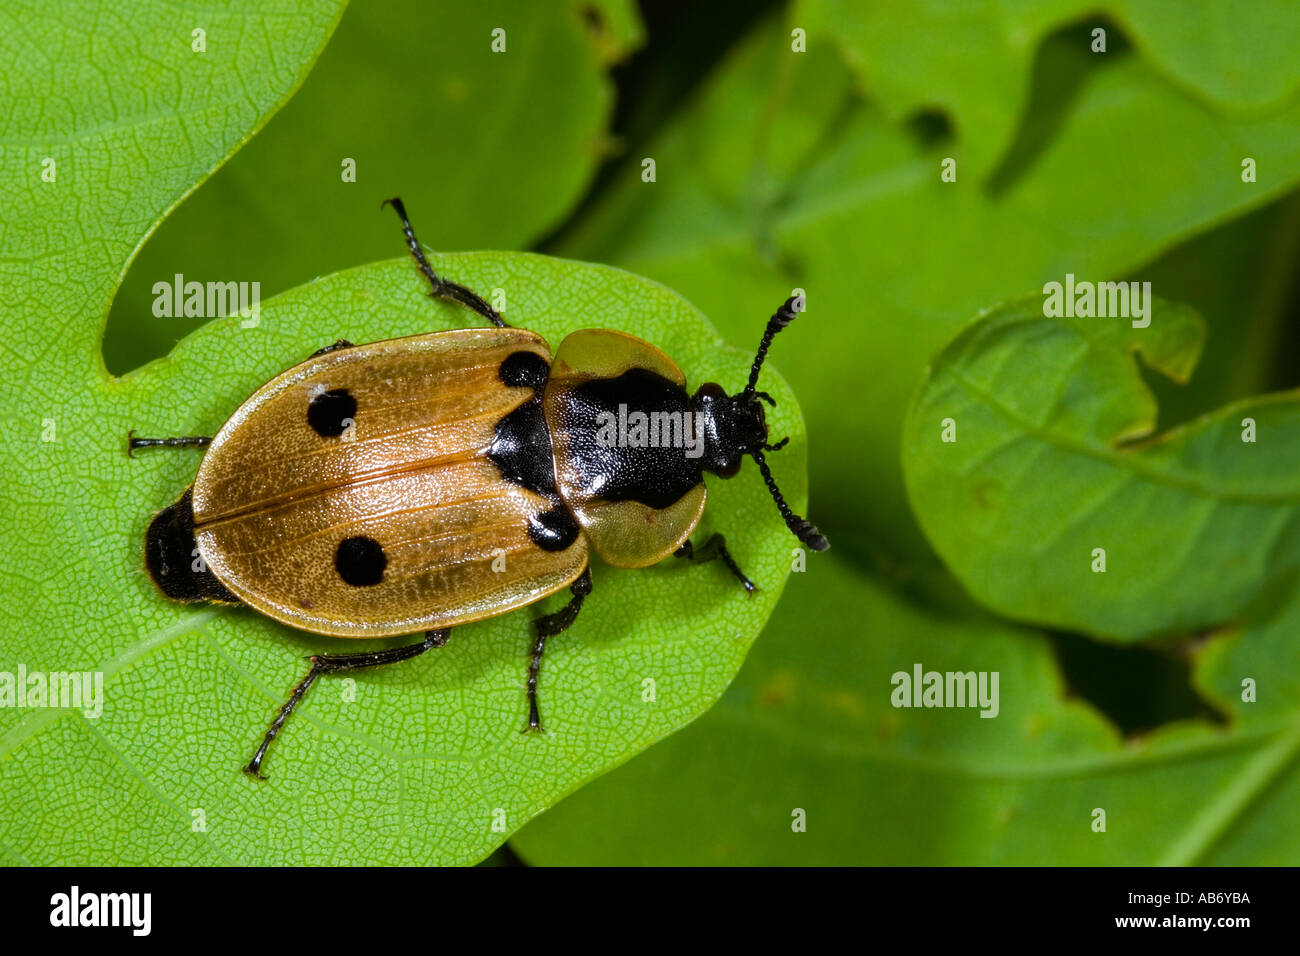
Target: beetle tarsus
188,441
335,663
715,549
549,626
254,768
534,718
440,288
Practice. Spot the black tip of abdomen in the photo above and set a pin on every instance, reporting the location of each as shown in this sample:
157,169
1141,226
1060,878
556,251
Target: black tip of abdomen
169,557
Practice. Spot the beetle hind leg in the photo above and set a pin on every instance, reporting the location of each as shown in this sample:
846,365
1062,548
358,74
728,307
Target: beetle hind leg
715,549
334,664
549,626
440,288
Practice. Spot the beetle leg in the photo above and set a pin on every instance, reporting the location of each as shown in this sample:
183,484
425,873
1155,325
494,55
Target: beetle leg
189,441
441,288
549,626
715,549
338,344
337,663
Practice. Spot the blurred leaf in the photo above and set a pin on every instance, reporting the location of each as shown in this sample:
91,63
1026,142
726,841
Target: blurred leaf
1239,59
414,95
432,757
974,57
614,25
1056,455
780,176
809,725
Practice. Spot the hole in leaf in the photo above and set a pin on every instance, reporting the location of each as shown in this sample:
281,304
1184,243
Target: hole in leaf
1139,688
930,127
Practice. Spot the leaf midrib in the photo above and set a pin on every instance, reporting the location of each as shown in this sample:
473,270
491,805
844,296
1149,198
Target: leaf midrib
40,719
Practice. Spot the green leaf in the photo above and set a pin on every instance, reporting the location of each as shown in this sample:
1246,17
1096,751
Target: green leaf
413,94
782,175
100,139
428,757
809,725
418,766
1057,460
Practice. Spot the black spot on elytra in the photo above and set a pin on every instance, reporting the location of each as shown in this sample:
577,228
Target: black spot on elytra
553,530
524,369
360,561
329,412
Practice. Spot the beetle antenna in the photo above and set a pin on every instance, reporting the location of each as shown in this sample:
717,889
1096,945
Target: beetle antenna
782,317
802,528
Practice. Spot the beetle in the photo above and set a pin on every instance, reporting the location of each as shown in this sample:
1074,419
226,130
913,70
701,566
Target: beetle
420,483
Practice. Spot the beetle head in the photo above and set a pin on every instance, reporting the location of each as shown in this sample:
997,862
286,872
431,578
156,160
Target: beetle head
736,426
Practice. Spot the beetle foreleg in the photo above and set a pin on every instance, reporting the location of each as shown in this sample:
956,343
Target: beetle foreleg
333,664
715,549
549,626
441,288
